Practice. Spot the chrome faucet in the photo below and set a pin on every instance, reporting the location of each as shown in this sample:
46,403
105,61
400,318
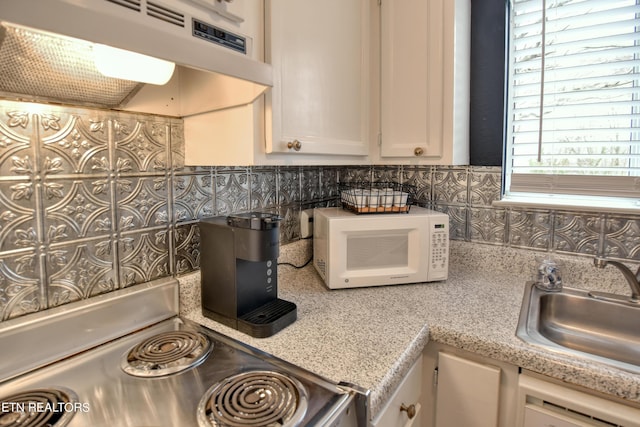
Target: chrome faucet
632,279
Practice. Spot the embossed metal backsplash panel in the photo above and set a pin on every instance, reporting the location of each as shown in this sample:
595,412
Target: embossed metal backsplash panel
92,201
84,203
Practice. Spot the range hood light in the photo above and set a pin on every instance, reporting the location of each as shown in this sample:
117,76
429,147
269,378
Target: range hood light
124,64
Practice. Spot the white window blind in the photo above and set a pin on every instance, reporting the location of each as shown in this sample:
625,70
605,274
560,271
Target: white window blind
573,106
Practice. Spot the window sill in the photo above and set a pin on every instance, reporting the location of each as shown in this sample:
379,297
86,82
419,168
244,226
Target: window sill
604,205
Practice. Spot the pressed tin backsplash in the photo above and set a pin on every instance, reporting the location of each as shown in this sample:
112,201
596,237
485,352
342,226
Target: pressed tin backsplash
92,201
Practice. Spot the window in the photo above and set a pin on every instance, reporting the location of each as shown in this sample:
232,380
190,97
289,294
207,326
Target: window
573,100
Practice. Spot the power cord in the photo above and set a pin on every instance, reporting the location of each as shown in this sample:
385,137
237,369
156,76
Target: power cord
296,266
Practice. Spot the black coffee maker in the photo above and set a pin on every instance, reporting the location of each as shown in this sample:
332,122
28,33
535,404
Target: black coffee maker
239,273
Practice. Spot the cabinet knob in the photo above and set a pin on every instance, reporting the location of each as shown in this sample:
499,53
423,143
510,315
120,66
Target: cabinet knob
418,151
410,410
295,144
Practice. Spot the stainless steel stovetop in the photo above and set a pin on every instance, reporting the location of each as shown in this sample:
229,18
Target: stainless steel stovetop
171,372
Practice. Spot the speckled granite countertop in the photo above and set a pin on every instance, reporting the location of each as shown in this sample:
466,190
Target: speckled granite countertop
371,336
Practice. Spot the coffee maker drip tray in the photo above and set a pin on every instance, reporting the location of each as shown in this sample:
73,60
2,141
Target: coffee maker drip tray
268,319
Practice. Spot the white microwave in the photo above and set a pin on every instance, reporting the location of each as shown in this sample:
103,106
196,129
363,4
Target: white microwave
352,250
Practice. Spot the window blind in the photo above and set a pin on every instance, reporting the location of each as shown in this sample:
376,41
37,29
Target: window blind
573,106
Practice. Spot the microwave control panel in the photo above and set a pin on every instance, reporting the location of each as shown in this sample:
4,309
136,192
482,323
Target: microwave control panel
219,36
439,249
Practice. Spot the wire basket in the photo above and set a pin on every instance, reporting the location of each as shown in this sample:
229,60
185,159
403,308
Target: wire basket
376,197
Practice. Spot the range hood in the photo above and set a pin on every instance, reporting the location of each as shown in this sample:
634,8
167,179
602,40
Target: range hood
47,53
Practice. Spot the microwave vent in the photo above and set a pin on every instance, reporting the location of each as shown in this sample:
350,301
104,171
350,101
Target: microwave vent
154,10
166,14
129,4
321,266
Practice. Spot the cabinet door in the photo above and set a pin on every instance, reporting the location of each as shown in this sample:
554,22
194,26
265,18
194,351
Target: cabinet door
468,393
319,51
424,98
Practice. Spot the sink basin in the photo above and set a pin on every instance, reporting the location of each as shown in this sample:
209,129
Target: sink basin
600,327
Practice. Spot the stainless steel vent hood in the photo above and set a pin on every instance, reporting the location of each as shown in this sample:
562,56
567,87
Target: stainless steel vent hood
218,65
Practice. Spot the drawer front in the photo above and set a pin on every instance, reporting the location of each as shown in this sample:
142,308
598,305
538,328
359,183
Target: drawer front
407,394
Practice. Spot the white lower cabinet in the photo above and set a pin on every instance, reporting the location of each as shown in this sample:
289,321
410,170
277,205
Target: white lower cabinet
468,392
544,403
404,409
464,389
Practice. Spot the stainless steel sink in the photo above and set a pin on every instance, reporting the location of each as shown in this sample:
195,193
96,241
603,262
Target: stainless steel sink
596,326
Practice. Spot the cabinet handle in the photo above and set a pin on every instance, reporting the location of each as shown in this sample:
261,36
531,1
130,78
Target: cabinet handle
410,410
418,151
295,144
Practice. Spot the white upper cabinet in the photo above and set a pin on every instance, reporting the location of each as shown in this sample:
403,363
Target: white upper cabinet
319,104
320,100
424,82
354,82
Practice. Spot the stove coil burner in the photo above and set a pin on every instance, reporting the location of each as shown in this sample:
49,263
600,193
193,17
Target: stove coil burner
167,353
254,398
50,407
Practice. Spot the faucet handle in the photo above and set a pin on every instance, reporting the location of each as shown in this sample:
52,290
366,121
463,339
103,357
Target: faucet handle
548,275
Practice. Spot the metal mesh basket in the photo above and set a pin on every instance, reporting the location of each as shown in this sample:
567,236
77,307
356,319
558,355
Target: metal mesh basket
376,197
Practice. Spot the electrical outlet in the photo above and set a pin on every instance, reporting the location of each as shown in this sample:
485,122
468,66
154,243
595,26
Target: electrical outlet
306,223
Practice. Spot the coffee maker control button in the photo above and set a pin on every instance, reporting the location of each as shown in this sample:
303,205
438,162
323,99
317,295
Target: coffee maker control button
269,272
268,279
269,262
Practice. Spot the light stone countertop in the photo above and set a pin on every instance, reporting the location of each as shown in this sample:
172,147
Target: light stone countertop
371,336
